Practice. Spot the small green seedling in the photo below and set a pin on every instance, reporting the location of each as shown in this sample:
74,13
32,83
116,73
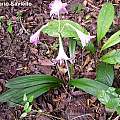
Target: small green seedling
1,21
18,15
27,105
77,8
9,26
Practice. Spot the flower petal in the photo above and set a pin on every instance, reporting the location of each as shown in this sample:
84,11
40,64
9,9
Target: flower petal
83,37
61,53
57,7
35,38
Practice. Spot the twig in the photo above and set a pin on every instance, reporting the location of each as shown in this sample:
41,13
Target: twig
111,116
93,6
24,27
117,118
47,114
83,116
52,116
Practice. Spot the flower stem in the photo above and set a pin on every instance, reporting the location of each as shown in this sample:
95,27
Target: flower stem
69,75
71,71
58,23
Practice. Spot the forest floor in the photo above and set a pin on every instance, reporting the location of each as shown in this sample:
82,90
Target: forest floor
19,57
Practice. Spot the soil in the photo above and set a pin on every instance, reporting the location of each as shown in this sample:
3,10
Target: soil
19,57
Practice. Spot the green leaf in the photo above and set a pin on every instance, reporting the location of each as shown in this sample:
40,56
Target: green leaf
90,47
105,74
26,106
112,92
103,97
88,85
7,95
31,99
12,104
10,26
29,109
113,40
36,93
31,80
25,98
19,15
72,46
118,110
113,103
11,96
1,18
110,99
105,19
66,31
117,90
1,21
112,57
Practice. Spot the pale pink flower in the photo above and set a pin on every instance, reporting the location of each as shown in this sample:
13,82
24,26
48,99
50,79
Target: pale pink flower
35,38
62,57
61,53
84,38
57,7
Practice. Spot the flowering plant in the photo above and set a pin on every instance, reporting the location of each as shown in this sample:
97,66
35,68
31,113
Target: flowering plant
38,84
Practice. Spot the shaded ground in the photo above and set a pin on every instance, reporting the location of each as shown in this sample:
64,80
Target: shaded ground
18,57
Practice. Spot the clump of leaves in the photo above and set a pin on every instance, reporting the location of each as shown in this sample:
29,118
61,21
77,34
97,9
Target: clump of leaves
32,85
101,87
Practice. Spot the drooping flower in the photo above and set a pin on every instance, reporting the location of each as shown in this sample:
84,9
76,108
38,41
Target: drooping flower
61,53
62,58
84,38
35,37
57,7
